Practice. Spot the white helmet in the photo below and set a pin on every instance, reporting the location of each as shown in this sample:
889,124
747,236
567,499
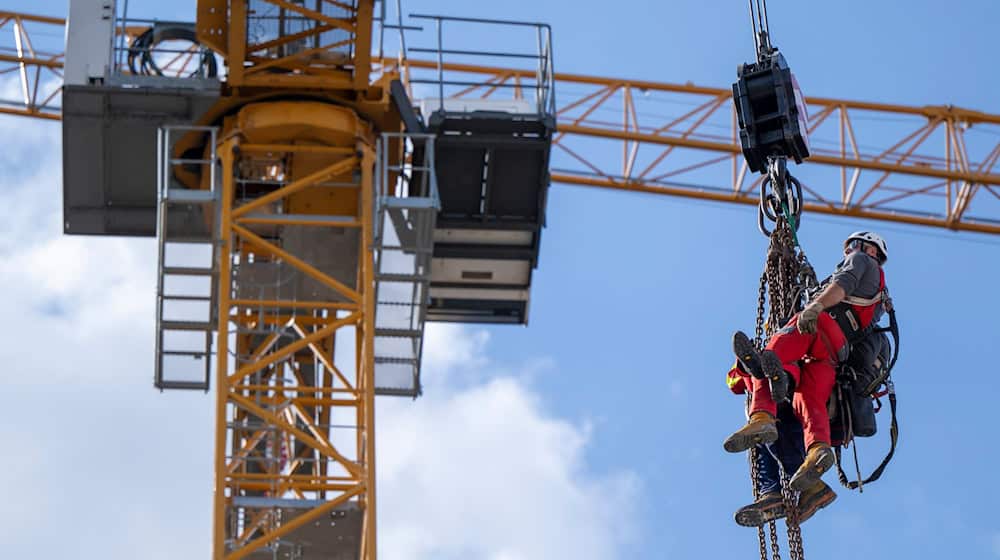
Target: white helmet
874,239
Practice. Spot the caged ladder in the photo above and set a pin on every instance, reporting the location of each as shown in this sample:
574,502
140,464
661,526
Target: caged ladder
407,204
187,279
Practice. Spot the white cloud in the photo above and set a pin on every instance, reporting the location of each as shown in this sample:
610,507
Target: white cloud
448,345
485,472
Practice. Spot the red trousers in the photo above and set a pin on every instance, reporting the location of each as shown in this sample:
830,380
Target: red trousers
811,360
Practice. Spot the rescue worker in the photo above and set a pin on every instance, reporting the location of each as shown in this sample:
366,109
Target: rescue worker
789,450
803,355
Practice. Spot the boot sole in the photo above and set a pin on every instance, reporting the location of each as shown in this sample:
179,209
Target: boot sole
747,354
737,444
754,517
806,515
804,479
774,370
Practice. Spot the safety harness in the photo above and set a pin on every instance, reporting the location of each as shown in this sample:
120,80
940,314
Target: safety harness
871,390
855,315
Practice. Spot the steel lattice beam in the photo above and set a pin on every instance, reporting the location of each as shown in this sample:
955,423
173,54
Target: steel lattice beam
931,165
925,165
28,51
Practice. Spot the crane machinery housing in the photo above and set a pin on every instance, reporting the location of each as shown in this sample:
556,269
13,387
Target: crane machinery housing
316,202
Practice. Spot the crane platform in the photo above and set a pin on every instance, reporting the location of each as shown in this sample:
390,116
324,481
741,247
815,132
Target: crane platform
492,160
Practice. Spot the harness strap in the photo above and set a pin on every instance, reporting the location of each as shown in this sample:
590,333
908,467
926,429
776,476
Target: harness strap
893,438
855,300
892,329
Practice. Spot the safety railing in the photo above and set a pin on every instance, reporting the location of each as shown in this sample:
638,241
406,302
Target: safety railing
149,52
279,30
536,94
386,21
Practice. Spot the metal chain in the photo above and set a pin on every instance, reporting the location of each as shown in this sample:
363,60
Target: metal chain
787,296
759,339
763,542
755,486
775,549
785,286
791,500
772,527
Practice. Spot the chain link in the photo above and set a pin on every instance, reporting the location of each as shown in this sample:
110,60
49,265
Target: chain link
791,500
763,542
759,339
775,549
771,533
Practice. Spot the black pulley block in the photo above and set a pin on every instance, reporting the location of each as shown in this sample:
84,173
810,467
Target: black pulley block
772,112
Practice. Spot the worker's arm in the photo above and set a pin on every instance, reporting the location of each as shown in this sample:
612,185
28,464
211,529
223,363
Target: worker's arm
855,267
831,295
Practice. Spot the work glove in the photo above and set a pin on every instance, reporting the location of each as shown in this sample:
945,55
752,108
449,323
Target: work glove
808,317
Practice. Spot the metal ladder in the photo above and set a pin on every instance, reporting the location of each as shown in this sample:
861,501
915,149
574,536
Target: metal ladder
406,200
187,271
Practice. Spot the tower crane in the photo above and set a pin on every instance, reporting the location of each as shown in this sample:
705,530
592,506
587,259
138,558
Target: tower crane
316,202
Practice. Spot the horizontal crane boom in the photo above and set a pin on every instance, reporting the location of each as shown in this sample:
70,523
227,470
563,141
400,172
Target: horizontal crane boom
933,165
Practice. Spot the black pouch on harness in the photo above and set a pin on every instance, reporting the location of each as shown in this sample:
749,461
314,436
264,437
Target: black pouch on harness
869,358
865,369
862,413
851,415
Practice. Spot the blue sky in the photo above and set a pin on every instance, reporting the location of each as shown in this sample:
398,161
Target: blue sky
618,379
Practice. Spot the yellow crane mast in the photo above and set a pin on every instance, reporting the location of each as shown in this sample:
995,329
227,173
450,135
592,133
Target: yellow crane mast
297,128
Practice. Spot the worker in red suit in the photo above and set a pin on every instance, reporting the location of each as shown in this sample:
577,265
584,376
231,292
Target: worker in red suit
800,359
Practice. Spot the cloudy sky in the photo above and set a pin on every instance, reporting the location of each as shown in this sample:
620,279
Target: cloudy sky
594,433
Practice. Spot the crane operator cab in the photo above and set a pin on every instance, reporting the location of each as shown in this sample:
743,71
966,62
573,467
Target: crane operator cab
492,144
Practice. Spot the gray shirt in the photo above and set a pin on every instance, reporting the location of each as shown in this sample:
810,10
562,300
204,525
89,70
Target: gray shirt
858,275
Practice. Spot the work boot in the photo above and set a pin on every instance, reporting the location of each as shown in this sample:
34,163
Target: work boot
760,429
813,499
768,507
764,365
776,375
819,459
747,354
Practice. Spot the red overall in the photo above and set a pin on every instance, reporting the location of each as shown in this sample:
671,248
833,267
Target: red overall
814,379
811,360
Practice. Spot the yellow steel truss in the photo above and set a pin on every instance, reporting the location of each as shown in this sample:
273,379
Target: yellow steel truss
312,165
324,47
275,437
38,69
